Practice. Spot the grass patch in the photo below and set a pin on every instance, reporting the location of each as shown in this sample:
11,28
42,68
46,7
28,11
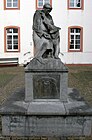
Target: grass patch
5,78
81,79
84,76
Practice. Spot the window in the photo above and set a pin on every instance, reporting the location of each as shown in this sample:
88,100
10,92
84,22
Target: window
75,4
11,4
12,39
40,3
75,39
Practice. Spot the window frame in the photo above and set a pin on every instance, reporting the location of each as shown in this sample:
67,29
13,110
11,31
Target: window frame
38,8
5,39
81,39
11,8
75,8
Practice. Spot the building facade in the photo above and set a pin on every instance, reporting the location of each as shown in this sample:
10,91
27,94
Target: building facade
72,16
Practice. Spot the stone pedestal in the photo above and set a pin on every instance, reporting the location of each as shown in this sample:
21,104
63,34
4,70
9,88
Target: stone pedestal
46,106
46,80
54,119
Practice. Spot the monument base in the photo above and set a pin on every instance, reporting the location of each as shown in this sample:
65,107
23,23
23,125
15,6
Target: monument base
46,79
71,118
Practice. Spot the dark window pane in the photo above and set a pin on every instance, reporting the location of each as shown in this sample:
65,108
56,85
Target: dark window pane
15,41
9,4
77,46
15,46
72,42
15,37
77,37
9,30
9,46
47,1
77,30
9,1
72,30
9,41
78,3
71,46
15,30
16,1
15,4
71,3
72,36
77,42
40,2
9,37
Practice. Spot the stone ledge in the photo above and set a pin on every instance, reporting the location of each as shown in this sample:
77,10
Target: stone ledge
75,105
56,126
46,65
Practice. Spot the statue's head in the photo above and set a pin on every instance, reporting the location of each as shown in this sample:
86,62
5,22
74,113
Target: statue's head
47,8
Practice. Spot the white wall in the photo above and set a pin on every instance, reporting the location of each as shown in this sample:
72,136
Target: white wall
62,17
22,18
65,18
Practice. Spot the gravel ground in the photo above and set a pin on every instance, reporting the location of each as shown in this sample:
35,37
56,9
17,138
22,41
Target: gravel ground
12,78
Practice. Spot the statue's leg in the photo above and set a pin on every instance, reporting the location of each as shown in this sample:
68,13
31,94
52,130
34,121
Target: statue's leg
56,46
45,49
37,43
40,45
42,49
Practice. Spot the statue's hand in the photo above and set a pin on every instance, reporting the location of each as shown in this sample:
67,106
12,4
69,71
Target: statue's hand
40,34
55,35
44,34
47,36
43,16
55,29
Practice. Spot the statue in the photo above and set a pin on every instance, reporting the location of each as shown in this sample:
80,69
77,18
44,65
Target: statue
45,34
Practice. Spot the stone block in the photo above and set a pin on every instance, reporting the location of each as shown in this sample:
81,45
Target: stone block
57,126
13,125
46,108
87,127
48,80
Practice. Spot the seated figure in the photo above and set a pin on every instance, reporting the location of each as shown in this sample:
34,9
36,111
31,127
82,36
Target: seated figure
45,34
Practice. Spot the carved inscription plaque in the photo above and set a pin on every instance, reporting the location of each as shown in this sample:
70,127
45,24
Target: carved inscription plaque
46,86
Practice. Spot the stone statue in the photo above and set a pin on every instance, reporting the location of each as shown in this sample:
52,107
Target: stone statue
45,34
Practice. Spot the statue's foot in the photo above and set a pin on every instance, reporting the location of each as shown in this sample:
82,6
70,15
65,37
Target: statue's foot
56,57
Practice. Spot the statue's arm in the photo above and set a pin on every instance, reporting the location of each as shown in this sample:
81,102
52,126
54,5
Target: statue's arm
37,23
48,23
